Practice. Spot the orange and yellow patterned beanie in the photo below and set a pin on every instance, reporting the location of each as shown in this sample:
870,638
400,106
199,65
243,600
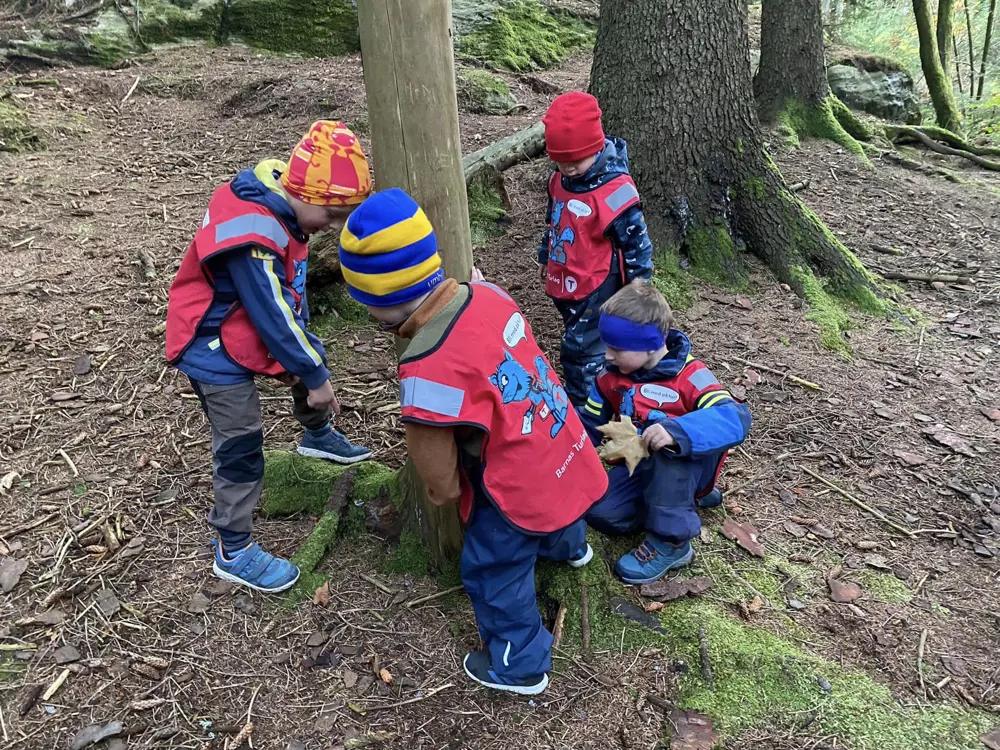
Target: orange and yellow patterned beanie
328,167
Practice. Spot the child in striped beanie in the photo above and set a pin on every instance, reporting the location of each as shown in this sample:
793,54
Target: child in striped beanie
488,427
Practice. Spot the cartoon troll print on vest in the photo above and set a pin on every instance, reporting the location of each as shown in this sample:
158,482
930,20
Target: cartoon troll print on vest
628,407
557,245
544,395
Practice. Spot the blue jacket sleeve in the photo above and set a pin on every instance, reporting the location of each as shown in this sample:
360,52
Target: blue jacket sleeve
628,234
259,278
712,429
594,413
543,249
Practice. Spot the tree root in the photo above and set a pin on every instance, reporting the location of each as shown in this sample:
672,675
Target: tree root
801,119
854,125
901,161
899,132
946,136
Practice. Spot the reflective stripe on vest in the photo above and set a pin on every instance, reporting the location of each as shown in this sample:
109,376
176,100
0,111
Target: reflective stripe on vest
539,468
579,251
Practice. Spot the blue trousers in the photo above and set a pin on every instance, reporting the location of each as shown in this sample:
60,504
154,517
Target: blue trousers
582,351
659,497
498,572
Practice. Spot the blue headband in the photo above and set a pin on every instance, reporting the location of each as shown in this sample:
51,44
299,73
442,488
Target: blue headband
623,334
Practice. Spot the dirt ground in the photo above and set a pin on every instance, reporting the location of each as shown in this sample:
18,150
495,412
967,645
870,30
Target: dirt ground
112,462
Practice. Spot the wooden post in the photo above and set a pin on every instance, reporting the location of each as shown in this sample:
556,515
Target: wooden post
409,66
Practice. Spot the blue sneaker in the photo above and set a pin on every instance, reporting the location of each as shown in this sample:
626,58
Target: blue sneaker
712,500
255,568
652,560
583,559
477,667
332,446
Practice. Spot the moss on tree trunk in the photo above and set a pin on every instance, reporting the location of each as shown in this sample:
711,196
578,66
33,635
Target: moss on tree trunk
937,78
791,87
709,189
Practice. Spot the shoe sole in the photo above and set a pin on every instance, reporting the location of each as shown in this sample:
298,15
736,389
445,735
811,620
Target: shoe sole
679,564
313,453
220,573
519,689
587,557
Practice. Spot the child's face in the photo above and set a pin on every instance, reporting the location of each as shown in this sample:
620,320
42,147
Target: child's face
627,361
576,168
321,218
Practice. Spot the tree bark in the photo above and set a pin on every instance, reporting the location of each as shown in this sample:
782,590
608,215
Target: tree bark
790,87
945,31
972,48
709,189
986,48
938,81
409,71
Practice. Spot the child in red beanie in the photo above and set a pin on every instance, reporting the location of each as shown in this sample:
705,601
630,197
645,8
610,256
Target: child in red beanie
595,240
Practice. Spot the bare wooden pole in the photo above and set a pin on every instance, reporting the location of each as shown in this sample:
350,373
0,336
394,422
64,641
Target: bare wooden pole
409,66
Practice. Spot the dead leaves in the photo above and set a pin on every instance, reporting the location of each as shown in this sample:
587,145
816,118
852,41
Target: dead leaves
842,592
96,733
745,535
943,436
622,442
321,597
991,414
674,588
11,571
82,365
692,731
910,459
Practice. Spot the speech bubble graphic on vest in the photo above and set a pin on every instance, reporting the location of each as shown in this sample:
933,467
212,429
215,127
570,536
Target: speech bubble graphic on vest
579,209
659,393
513,332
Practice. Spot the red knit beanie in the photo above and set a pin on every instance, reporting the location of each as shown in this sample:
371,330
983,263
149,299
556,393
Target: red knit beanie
573,127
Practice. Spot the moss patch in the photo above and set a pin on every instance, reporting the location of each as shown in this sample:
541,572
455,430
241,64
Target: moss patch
296,484
16,131
714,255
800,120
317,28
334,310
486,212
482,92
761,678
671,281
527,35
884,586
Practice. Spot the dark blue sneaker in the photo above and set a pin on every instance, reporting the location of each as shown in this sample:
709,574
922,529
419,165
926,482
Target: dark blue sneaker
712,500
332,446
652,560
255,568
477,667
585,557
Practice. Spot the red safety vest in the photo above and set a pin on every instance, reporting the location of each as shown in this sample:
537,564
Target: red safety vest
539,467
230,223
579,251
671,397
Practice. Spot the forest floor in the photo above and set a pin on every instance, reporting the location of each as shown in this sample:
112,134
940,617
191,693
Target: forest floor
102,529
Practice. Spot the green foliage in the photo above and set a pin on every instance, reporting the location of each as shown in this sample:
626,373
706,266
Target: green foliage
486,211
16,131
527,35
884,586
482,92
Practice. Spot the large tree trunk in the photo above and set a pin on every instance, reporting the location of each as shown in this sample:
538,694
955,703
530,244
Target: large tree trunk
709,189
791,87
409,72
945,31
938,81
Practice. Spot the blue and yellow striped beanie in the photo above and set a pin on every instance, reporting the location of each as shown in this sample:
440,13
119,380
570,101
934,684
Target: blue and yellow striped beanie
388,251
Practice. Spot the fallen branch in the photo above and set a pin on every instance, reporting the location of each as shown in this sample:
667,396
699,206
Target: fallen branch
864,506
895,132
131,91
929,278
901,161
36,82
146,264
886,250
920,660
425,696
505,153
432,597
706,664
799,186
557,630
27,527
787,376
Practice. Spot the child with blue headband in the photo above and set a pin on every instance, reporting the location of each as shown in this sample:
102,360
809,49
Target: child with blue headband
687,420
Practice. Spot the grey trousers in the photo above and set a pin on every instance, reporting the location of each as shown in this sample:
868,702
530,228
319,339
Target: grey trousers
238,447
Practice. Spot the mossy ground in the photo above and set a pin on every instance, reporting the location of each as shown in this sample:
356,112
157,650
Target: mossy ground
334,310
482,92
527,35
486,212
16,132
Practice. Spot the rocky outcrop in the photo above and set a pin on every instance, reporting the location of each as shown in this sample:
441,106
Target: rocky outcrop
876,86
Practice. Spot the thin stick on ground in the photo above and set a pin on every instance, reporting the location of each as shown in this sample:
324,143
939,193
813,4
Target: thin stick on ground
706,663
864,506
557,629
929,278
788,376
425,696
432,597
585,618
920,660
920,346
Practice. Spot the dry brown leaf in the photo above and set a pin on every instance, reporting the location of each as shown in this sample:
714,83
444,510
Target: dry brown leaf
912,459
993,414
674,588
385,675
692,731
654,606
844,592
943,436
756,604
622,442
744,534
321,597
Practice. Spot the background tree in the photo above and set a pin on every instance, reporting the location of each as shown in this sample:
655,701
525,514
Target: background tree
945,31
409,69
938,81
709,188
986,47
791,87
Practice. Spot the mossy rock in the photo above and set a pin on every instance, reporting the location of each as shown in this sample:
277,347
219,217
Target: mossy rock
16,131
527,35
310,28
482,92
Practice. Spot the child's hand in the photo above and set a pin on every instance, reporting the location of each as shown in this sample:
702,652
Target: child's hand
324,397
476,275
542,271
656,437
